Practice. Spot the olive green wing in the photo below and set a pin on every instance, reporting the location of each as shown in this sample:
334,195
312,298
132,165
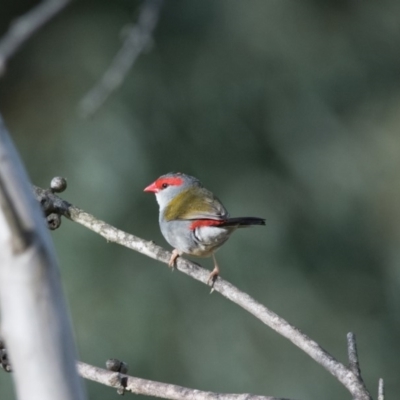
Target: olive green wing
195,203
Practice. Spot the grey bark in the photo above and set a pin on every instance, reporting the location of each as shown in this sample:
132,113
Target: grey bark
35,323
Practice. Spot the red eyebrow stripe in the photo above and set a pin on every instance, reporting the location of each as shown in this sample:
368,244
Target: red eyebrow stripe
205,222
169,181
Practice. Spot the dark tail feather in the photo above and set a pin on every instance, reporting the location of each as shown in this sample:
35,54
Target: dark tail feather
242,222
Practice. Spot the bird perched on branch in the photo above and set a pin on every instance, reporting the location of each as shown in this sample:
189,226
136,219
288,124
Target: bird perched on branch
192,219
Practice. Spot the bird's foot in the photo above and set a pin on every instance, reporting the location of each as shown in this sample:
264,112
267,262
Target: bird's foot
175,254
212,278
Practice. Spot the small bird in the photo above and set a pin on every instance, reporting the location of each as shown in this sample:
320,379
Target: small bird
192,219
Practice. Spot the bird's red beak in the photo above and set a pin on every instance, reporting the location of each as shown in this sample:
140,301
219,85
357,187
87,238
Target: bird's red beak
151,188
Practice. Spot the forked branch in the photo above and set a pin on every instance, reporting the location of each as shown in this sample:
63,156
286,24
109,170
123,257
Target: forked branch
25,26
351,380
137,39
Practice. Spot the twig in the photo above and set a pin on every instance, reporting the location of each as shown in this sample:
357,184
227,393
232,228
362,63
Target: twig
381,390
158,389
350,380
137,40
25,26
354,364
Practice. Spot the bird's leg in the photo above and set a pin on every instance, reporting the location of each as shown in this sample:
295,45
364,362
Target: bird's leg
214,273
175,254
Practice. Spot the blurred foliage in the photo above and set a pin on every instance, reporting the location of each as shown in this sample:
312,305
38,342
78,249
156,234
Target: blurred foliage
287,110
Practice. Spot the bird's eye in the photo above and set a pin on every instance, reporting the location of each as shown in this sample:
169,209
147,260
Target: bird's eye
164,185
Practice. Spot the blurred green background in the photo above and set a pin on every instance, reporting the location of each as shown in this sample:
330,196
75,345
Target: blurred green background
287,110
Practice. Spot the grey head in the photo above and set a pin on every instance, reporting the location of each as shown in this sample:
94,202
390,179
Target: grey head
168,186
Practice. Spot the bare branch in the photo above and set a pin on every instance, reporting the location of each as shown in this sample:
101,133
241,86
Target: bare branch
24,27
34,319
137,40
350,380
381,390
353,354
157,389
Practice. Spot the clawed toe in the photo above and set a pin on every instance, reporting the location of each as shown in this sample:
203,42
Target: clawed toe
175,254
213,275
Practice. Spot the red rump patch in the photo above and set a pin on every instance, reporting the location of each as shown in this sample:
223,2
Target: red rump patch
205,222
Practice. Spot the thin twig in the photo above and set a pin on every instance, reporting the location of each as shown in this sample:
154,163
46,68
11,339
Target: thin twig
381,390
157,389
350,380
354,364
25,26
137,40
